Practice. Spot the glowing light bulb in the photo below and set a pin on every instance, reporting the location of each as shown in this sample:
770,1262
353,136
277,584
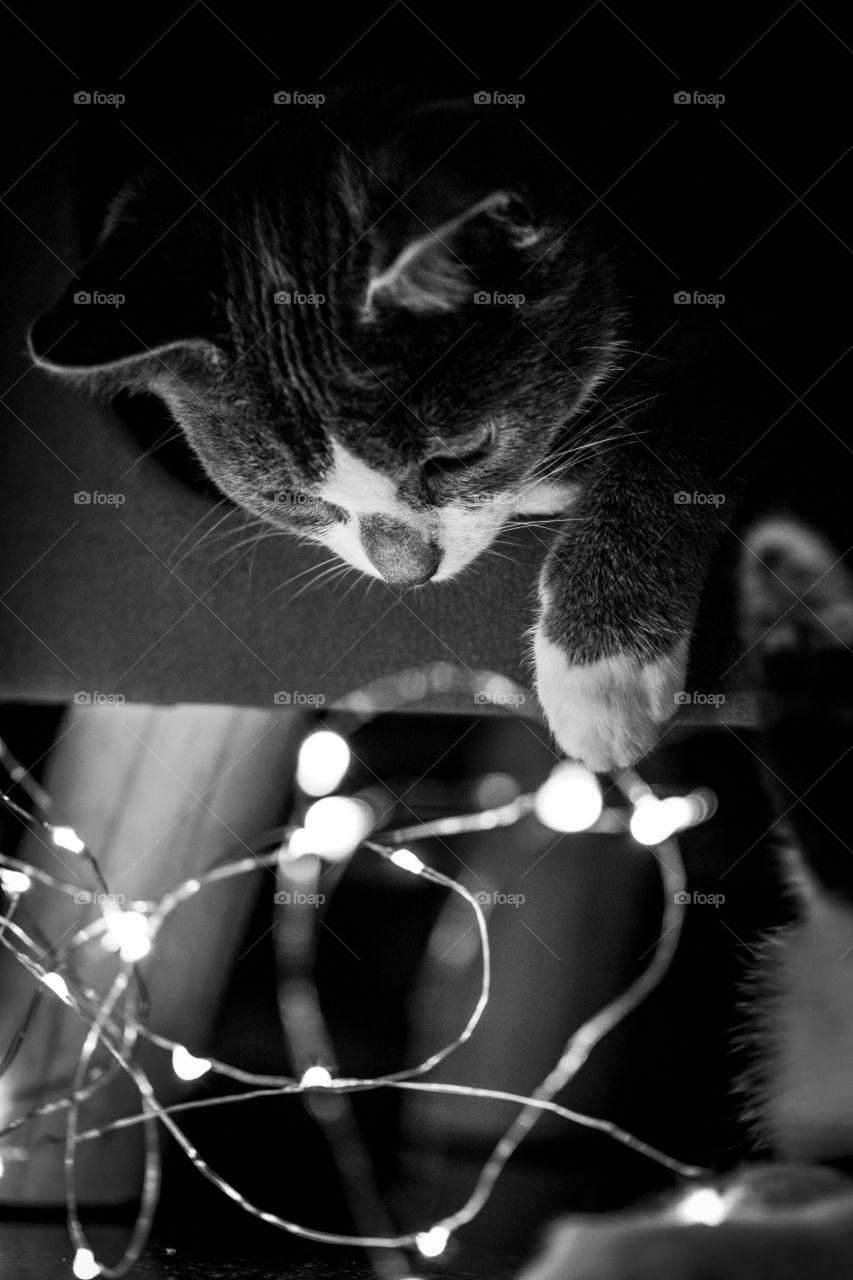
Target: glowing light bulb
316,1078
433,1242
324,758
67,838
58,985
335,826
407,860
15,882
654,820
570,799
85,1267
186,1066
704,1205
298,845
127,932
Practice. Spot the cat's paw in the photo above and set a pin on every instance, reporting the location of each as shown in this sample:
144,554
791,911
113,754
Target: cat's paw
610,713
795,588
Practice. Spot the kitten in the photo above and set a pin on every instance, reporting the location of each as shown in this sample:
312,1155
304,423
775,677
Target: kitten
792,1220
385,411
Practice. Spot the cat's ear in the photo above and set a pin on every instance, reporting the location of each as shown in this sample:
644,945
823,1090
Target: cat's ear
95,329
131,302
432,272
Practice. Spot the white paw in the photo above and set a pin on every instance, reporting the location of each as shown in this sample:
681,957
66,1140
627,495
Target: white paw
609,713
794,586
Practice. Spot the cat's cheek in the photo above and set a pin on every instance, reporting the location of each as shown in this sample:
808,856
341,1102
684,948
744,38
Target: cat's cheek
607,714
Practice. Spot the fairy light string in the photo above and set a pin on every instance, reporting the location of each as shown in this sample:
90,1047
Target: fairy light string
118,1019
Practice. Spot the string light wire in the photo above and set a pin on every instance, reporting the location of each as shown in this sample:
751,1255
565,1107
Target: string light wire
117,1020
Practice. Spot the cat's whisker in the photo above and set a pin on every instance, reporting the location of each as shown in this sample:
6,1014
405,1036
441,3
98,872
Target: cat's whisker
248,521
312,568
222,539
256,538
212,538
549,522
262,536
618,412
628,351
206,515
559,469
206,537
355,582
326,575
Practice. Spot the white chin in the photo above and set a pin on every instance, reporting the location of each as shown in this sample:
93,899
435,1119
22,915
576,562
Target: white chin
345,542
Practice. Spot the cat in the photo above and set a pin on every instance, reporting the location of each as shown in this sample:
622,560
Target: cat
793,1219
308,299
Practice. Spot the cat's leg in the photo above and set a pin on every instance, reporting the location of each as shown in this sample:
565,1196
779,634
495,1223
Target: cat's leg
777,1222
618,595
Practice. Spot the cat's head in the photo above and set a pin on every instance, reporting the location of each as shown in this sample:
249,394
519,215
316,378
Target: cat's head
372,331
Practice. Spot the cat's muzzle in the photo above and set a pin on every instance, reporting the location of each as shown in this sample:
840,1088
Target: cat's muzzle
399,552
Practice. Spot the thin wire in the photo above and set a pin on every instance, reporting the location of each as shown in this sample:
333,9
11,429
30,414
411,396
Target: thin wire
117,1020
586,1037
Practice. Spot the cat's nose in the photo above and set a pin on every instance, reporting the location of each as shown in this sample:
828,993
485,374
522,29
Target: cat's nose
401,555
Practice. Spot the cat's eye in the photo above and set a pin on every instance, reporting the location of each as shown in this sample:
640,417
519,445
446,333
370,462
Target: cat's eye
454,453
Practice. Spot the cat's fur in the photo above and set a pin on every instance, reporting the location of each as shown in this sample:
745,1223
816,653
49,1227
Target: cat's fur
399,422
792,1220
